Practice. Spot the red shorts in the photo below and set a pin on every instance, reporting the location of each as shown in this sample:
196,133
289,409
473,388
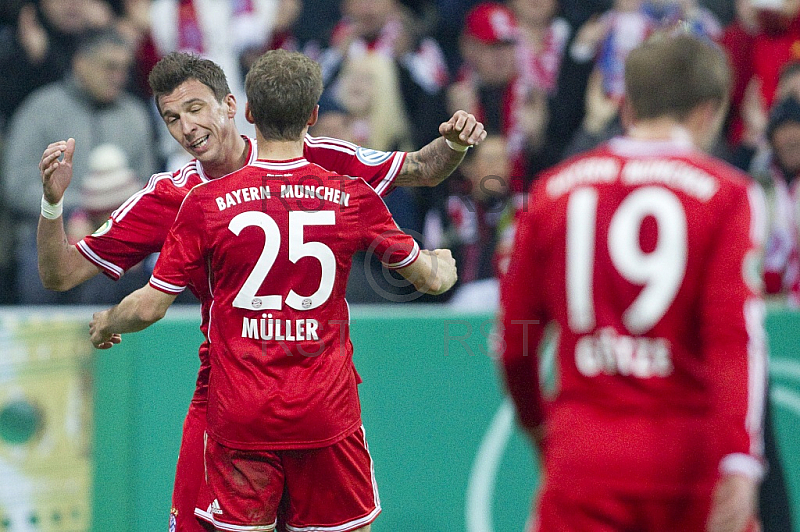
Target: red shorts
606,511
189,473
331,489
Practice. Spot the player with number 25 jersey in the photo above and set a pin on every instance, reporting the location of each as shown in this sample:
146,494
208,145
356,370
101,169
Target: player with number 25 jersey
283,376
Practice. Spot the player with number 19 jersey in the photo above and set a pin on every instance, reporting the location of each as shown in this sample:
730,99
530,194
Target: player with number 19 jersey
645,255
275,242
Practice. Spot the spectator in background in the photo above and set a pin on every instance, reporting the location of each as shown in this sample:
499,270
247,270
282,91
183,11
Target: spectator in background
469,222
109,183
609,39
369,94
753,148
369,91
777,172
601,121
134,25
543,41
695,18
44,39
386,28
759,43
281,36
90,105
491,86
220,30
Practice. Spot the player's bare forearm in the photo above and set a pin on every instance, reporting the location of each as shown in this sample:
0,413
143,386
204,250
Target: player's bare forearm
435,162
429,166
136,312
61,265
434,272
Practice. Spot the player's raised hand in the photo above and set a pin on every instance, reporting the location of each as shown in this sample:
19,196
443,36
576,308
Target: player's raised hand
100,338
463,128
733,504
56,171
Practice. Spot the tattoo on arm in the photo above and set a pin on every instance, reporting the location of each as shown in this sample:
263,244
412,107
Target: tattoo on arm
429,166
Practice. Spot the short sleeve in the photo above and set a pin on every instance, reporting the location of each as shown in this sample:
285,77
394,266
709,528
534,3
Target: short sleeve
378,168
135,230
380,234
183,252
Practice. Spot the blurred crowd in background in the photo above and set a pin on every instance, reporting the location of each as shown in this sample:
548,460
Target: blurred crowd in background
544,76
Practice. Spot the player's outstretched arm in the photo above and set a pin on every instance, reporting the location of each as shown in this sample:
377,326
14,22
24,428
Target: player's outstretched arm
433,163
434,272
61,266
137,311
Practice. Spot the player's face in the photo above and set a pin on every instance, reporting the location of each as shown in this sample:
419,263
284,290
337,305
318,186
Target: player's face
200,123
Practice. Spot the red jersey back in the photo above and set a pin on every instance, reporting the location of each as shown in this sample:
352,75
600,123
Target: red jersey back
140,225
275,242
645,256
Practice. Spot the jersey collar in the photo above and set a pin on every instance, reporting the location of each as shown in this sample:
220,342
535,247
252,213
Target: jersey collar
251,158
679,144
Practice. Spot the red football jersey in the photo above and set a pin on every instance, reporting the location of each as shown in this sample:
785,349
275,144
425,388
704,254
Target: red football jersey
645,257
274,242
140,225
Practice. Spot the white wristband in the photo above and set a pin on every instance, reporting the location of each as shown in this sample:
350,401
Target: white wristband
50,211
457,147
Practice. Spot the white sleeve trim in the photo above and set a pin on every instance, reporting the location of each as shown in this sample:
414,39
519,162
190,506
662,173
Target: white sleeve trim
397,163
109,267
165,286
408,260
743,464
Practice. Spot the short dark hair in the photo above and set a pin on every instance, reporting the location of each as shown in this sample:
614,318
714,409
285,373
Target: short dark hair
178,67
670,75
282,90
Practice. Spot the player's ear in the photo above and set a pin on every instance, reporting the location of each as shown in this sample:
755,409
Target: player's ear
314,116
248,114
230,101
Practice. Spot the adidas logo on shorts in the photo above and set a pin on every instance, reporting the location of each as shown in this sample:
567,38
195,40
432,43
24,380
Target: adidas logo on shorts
214,508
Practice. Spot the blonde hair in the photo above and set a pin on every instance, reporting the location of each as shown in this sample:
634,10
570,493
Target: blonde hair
389,127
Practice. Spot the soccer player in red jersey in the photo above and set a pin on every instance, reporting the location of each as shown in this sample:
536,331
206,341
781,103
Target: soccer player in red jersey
197,107
273,242
643,257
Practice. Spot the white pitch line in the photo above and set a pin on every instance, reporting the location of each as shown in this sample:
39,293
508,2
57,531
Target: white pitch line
482,478
782,367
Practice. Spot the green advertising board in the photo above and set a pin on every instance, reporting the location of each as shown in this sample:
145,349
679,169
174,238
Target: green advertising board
94,437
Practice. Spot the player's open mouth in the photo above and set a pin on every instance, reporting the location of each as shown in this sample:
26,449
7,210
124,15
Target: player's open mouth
199,143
